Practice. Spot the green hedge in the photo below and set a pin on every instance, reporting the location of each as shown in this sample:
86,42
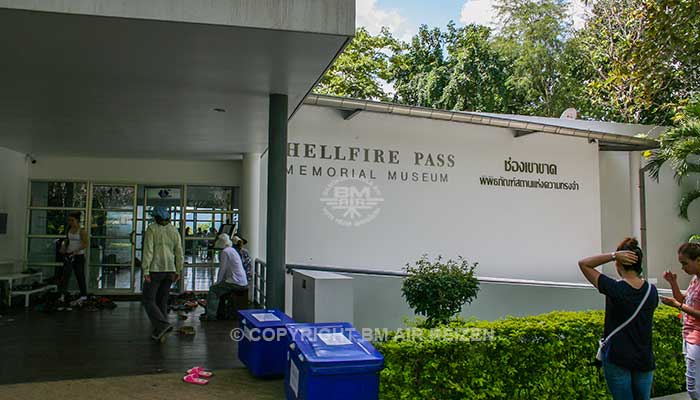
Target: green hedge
541,357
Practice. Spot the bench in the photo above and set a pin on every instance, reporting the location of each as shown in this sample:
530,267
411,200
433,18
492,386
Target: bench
27,293
230,304
11,278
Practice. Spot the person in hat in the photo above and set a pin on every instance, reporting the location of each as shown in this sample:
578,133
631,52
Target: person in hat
239,244
231,276
162,265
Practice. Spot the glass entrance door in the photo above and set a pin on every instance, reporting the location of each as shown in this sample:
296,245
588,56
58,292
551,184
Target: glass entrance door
112,238
150,197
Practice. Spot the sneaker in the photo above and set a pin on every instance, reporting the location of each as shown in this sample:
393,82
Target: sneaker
60,308
78,302
162,333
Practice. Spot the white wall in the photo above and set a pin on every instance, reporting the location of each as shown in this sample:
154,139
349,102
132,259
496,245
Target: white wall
615,206
665,229
114,170
512,232
13,201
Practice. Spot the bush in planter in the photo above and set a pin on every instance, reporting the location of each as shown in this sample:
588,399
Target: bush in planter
540,357
439,289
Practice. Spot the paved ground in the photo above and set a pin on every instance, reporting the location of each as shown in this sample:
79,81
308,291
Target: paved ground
40,347
225,385
679,396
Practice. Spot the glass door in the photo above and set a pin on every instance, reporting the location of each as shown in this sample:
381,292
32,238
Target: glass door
112,238
149,197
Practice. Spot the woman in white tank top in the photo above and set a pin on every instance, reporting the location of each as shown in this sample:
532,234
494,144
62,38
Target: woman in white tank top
74,258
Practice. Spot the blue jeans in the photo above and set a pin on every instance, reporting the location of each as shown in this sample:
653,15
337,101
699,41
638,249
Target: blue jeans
627,385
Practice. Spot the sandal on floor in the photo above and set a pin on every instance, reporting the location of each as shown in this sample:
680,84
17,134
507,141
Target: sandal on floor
201,372
194,379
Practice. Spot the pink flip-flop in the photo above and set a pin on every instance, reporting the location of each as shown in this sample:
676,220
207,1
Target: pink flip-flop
194,379
201,372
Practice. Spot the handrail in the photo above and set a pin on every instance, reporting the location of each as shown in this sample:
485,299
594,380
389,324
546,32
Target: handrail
400,274
484,279
260,283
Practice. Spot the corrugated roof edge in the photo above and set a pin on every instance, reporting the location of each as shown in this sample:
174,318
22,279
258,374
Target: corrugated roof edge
604,137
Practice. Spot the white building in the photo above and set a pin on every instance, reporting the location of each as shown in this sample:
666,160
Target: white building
111,107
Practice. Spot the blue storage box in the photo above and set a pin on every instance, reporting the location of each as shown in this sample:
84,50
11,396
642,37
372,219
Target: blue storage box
331,361
263,346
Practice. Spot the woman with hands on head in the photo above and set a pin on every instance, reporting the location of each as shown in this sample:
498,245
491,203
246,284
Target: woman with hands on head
627,356
689,305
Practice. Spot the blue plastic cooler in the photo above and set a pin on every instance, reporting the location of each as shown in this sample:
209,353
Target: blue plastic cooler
263,347
331,361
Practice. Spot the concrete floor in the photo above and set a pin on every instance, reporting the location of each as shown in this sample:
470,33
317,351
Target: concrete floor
225,385
679,396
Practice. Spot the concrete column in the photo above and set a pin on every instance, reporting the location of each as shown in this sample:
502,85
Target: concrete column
637,200
635,160
276,201
250,203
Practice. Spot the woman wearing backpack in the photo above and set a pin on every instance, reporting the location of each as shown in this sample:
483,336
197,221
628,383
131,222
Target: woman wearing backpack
689,305
627,355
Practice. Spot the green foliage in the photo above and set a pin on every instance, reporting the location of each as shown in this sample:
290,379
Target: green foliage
686,200
677,146
438,289
478,72
419,69
359,70
534,40
644,54
633,61
542,357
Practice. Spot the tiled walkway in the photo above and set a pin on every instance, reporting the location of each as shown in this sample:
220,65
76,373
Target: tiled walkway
39,347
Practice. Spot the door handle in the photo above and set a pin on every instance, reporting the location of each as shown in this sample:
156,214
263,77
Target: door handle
133,238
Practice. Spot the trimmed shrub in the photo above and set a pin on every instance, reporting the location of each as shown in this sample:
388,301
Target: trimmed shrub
541,357
439,289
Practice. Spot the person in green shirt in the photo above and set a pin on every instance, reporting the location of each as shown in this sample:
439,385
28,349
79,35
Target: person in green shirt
162,265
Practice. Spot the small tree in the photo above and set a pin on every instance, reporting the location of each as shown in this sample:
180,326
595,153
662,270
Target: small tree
439,289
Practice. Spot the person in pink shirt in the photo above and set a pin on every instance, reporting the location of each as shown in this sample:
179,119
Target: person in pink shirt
689,305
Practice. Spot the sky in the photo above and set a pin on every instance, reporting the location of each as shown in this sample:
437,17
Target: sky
403,17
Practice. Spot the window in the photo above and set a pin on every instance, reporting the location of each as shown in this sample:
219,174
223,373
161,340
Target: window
207,208
49,206
116,229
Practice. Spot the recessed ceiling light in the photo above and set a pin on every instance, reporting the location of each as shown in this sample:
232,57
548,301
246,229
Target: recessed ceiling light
219,110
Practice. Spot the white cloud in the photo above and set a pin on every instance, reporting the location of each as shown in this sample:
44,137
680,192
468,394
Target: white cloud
373,17
482,12
478,12
579,10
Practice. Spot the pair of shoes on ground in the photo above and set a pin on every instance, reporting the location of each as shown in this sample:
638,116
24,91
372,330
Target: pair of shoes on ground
78,302
159,336
64,307
197,376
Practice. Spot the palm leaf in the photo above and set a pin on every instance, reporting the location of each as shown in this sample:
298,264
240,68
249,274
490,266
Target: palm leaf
686,200
676,146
